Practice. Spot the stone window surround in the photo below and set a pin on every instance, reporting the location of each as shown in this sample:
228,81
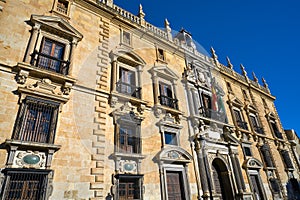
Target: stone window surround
122,33
54,9
245,145
136,64
163,73
167,124
158,53
41,28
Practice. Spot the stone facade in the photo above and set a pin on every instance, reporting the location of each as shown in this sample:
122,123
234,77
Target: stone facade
97,103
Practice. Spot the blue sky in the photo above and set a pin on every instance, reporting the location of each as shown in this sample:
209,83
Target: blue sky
262,35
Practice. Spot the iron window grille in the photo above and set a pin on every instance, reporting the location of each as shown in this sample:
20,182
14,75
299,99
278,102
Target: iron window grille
25,185
36,121
239,120
266,155
50,57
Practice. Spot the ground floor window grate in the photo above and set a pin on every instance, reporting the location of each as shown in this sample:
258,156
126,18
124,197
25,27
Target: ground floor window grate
25,185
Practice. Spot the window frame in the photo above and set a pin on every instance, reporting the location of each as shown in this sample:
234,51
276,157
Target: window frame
240,123
170,101
137,178
124,32
161,55
19,131
257,128
9,172
55,8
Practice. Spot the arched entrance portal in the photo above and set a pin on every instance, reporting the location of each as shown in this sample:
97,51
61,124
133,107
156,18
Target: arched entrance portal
221,180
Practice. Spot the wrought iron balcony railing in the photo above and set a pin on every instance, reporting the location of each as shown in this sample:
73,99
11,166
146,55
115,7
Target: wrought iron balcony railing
50,63
129,89
216,115
168,101
242,124
258,129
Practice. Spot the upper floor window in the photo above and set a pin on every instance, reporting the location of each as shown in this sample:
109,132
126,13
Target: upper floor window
25,184
255,124
287,159
56,46
126,38
36,121
264,103
166,96
127,82
239,119
160,54
128,139
245,94
247,151
50,57
266,156
170,138
62,6
275,129
229,88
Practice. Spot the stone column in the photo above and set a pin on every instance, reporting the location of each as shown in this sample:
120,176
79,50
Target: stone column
155,88
202,169
114,76
71,55
139,83
236,172
32,42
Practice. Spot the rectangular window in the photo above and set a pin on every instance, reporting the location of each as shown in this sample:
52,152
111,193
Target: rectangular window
62,6
127,83
166,96
277,133
51,55
245,94
255,124
128,140
266,155
239,120
175,185
287,159
206,105
36,121
25,185
256,186
170,138
247,151
126,39
129,187
229,87
161,54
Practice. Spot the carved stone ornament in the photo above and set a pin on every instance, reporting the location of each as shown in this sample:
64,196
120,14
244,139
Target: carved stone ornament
29,159
128,166
45,84
22,76
66,88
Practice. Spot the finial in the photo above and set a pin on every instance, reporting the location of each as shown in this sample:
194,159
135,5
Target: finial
264,83
243,70
213,53
229,65
141,12
254,77
168,29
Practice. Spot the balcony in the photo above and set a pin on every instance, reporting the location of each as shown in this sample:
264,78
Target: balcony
242,124
168,101
129,89
210,113
49,63
278,134
259,130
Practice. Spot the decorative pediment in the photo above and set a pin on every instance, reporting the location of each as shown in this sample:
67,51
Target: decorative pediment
125,55
127,113
56,24
164,72
175,155
252,163
236,102
251,108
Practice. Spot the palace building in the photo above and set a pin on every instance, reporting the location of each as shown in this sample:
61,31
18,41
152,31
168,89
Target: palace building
98,103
